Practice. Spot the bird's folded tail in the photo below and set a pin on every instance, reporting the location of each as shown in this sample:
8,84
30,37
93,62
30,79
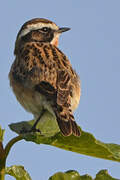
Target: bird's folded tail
67,124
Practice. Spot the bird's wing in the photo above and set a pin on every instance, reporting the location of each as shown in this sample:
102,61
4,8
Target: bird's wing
45,69
64,114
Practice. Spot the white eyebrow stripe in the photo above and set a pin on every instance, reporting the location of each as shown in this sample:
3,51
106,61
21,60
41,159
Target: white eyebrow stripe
35,27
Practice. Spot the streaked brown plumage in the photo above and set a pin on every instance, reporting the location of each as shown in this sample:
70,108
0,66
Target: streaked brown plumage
42,77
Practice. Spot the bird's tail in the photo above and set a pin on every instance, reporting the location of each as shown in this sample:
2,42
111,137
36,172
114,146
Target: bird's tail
67,123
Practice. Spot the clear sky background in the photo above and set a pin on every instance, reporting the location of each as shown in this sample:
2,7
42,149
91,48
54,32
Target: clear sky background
93,47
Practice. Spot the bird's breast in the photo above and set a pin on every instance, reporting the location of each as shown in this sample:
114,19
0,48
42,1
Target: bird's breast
31,100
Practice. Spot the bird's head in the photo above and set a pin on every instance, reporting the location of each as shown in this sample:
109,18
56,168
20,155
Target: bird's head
40,30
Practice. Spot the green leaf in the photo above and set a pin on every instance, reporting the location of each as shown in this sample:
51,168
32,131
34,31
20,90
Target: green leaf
69,175
74,175
85,144
103,175
2,131
47,125
18,172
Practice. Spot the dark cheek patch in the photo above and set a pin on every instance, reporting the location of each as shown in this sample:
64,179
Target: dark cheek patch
48,37
38,36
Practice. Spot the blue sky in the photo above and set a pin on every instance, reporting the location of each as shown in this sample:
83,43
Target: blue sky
93,47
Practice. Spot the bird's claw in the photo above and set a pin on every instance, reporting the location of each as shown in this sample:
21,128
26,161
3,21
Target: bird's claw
24,130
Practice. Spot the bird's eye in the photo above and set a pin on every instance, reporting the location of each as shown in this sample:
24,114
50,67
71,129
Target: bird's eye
45,29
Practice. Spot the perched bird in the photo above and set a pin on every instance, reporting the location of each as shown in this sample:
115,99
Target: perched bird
42,77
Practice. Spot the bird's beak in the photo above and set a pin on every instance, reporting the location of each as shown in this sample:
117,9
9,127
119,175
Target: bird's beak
63,29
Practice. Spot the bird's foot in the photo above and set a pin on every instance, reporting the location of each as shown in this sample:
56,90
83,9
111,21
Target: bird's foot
33,129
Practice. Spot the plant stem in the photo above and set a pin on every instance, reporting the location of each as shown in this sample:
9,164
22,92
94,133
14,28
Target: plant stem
2,169
4,153
11,143
2,162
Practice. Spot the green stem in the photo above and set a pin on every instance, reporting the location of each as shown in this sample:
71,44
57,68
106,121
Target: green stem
2,169
4,153
2,162
11,143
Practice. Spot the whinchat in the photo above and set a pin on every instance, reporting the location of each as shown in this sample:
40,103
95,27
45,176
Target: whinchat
42,77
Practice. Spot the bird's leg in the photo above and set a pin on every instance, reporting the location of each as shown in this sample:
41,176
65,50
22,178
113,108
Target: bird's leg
33,129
